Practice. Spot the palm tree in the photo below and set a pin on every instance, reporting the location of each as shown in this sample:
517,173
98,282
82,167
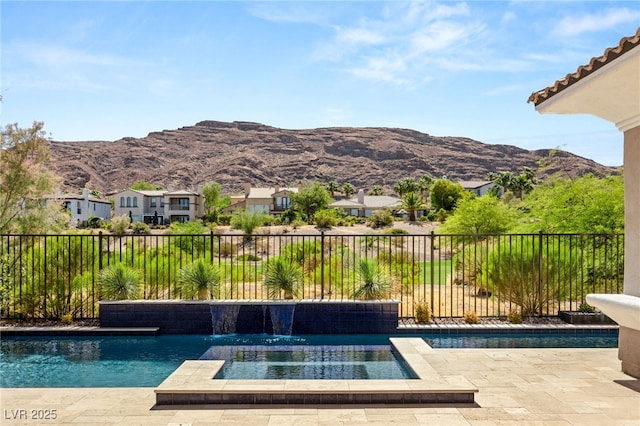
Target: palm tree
119,282
376,190
412,202
199,278
283,276
348,190
424,184
375,284
405,186
333,187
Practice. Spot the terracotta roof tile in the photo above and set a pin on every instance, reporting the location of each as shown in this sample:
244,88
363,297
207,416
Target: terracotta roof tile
625,45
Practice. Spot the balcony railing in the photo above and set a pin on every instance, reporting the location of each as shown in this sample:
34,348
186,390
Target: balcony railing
48,276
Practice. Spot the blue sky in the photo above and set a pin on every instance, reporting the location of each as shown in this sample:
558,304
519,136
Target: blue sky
107,70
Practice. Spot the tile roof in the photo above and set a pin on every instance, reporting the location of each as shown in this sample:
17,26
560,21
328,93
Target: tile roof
612,53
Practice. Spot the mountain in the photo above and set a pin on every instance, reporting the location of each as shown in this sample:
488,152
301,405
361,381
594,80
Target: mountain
238,152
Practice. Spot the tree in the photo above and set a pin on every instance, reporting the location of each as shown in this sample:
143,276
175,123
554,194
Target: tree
412,202
424,184
482,215
376,190
405,186
310,199
445,194
587,204
25,180
333,187
348,190
214,202
145,186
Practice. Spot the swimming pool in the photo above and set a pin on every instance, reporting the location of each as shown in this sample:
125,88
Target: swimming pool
147,361
314,362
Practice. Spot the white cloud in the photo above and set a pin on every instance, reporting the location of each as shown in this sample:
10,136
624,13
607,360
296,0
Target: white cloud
575,25
441,35
359,36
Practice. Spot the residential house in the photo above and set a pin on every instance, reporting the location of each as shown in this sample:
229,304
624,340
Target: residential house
271,200
159,206
364,205
83,206
479,187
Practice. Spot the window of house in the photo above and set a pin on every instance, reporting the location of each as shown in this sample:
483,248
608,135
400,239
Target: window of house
121,201
184,203
135,201
153,202
128,201
79,207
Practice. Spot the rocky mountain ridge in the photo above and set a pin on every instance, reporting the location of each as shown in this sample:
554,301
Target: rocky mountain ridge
243,152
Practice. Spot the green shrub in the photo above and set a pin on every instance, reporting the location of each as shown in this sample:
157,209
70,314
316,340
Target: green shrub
381,219
119,282
586,308
423,313
283,277
119,224
140,228
248,258
67,319
374,282
200,279
326,218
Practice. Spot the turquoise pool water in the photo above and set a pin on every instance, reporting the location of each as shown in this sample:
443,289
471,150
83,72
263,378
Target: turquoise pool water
316,362
147,361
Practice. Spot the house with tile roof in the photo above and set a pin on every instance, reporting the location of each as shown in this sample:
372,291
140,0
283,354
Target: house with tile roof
83,206
159,206
273,200
609,87
364,205
478,187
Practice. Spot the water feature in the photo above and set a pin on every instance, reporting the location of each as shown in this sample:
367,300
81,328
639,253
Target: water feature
282,318
224,317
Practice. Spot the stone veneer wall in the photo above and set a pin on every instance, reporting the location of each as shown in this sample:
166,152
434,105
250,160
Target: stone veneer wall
311,317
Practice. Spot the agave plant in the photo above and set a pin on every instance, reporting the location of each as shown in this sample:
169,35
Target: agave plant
200,279
375,283
119,282
283,277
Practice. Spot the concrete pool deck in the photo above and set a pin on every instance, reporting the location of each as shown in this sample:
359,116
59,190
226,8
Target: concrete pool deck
515,386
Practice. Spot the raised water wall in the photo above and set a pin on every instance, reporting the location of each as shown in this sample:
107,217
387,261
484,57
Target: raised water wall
253,317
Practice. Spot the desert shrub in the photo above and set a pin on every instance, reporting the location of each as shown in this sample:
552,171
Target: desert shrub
397,231
199,278
248,222
374,283
514,317
140,228
381,219
297,223
586,308
326,218
67,319
248,258
283,277
225,248
120,224
423,313
119,282
534,280
470,317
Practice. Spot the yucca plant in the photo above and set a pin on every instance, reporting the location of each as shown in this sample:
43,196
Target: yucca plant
375,283
283,277
119,282
200,279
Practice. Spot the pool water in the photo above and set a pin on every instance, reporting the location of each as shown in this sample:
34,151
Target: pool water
147,361
309,362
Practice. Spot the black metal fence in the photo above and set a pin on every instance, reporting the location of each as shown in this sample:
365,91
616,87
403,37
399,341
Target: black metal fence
49,276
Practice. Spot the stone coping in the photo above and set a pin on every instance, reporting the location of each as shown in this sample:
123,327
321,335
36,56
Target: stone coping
402,330
193,383
78,331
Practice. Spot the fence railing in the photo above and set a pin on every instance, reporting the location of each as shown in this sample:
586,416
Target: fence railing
48,276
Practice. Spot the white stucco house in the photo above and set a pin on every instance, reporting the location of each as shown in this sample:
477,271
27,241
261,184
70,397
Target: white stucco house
83,206
364,205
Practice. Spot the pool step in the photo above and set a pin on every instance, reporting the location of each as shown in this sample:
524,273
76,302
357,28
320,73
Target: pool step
193,383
